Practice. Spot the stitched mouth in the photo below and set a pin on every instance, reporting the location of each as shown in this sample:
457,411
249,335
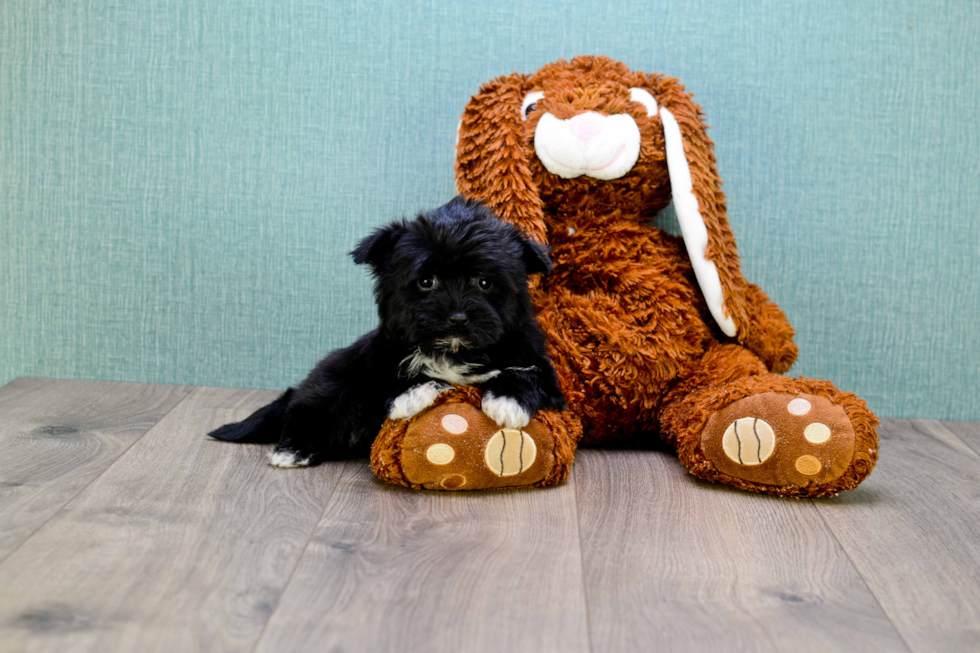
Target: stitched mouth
551,156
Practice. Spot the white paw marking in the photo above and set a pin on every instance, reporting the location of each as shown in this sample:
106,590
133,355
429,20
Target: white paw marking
798,406
505,411
287,459
416,399
748,441
817,433
455,424
440,454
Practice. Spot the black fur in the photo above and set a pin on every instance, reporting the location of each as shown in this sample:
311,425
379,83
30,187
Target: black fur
337,411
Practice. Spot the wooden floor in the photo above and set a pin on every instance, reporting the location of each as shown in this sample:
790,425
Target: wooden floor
123,528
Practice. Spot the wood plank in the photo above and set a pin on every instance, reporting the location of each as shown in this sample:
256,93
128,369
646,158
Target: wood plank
913,531
391,569
57,436
675,564
185,544
968,432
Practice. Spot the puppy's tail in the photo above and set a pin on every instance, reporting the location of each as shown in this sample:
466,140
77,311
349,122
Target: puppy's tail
264,425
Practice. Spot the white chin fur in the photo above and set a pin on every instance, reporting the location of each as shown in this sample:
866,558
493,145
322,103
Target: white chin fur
444,369
287,459
505,411
609,154
416,399
452,343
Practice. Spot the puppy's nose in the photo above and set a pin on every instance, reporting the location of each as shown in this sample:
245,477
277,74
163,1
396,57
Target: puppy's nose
585,125
458,319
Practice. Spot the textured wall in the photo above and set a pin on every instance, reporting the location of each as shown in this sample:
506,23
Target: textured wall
180,179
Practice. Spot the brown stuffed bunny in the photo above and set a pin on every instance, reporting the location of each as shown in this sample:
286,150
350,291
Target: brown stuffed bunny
650,333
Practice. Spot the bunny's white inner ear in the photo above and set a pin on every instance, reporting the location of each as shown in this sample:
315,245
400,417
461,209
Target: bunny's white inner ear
692,224
643,96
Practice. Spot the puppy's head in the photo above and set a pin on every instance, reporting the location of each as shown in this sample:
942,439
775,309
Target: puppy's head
454,278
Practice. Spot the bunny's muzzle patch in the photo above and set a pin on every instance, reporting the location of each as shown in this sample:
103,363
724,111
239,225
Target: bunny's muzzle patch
590,144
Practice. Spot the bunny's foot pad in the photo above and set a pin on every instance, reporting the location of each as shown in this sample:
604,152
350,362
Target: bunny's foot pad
781,440
455,446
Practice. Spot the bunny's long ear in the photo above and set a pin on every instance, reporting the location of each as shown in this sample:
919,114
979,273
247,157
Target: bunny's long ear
491,159
700,206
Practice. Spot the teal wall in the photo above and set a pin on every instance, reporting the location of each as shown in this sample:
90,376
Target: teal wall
180,179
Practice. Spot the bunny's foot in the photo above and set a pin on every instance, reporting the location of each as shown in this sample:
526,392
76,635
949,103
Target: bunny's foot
789,442
816,441
767,433
454,445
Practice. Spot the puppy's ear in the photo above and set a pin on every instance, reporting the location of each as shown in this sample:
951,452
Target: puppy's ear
534,255
376,248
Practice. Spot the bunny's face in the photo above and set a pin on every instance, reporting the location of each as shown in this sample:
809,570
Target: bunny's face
592,128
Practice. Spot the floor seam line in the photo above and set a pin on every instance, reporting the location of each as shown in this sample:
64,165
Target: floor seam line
864,580
299,559
581,560
919,424
96,477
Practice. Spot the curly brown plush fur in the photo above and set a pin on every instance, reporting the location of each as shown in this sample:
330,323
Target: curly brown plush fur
628,327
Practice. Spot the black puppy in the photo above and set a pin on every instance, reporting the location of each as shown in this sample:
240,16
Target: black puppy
451,289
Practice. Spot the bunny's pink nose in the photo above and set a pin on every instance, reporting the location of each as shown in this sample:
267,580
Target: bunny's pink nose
586,125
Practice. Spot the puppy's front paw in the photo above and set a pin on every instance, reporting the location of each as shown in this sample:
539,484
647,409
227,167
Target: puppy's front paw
288,458
416,399
505,411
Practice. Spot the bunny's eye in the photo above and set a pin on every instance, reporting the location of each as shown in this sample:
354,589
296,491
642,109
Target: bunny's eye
530,102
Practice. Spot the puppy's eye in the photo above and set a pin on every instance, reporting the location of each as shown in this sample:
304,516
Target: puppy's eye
427,283
484,283
530,102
